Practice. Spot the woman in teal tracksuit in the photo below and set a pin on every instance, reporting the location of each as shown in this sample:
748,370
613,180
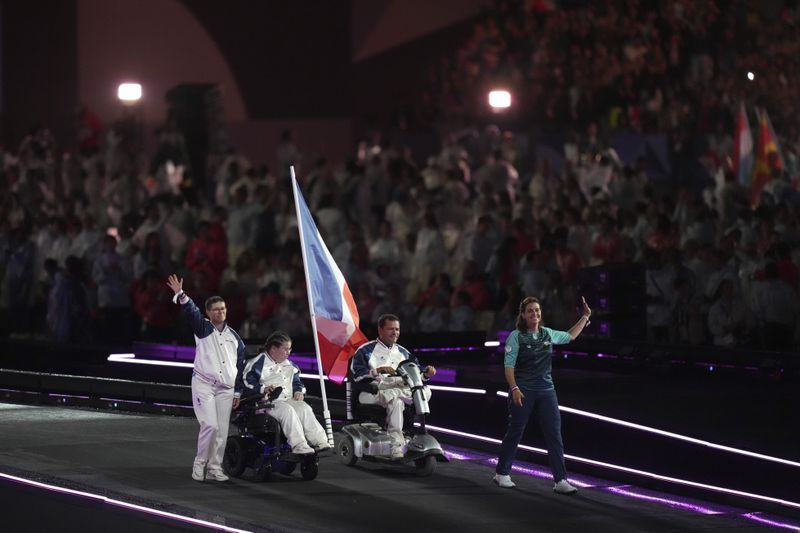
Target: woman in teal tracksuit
528,365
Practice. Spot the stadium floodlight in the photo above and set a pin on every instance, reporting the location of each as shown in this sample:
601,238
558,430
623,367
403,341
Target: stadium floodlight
750,75
129,93
499,99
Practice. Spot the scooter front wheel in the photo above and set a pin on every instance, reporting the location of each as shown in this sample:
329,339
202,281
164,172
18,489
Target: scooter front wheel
346,450
425,466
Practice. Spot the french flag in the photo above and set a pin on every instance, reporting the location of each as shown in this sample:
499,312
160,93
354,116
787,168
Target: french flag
743,148
333,310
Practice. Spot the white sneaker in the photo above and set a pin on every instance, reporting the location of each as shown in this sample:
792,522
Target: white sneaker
198,471
216,475
563,487
302,449
504,481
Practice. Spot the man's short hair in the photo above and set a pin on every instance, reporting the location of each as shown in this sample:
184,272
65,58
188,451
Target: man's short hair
213,300
383,319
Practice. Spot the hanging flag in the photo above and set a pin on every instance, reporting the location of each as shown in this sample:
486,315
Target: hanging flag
743,149
333,310
768,157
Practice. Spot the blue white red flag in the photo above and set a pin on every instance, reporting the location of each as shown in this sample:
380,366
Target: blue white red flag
333,309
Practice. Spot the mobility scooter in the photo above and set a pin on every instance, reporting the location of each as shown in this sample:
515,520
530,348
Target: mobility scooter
367,438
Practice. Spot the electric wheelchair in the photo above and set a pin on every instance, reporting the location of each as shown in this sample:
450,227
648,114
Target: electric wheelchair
260,444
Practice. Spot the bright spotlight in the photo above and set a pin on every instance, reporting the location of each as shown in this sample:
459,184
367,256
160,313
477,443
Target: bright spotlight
750,76
129,93
500,99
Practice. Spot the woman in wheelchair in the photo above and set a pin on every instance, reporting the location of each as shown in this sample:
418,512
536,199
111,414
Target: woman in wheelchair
271,369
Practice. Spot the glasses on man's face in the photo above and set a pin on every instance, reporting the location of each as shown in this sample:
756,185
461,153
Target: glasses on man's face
217,310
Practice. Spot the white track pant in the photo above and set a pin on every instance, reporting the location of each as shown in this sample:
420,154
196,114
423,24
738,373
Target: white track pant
298,423
394,400
212,407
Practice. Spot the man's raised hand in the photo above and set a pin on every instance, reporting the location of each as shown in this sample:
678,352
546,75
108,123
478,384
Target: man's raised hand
175,283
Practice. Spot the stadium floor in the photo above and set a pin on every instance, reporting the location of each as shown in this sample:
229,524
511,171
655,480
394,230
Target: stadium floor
146,460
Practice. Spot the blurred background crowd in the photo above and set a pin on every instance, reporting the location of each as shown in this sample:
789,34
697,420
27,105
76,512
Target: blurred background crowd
451,236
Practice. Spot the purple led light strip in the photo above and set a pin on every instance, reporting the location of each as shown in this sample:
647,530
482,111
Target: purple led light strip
664,501
465,390
121,401
173,405
18,391
131,358
628,470
672,435
628,492
457,456
313,376
119,503
445,375
774,523
69,396
537,472
527,470
451,349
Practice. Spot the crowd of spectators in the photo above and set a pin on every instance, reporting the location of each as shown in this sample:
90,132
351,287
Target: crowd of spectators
89,237
675,67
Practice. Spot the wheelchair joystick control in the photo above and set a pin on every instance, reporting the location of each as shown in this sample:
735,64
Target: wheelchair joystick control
271,396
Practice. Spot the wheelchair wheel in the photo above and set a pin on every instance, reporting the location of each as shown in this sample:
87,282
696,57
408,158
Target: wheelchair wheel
262,473
309,470
285,467
346,450
425,466
233,462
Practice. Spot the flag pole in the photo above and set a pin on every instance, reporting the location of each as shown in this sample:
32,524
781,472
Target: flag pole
326,414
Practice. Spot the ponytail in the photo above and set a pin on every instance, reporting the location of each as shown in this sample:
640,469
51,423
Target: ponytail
275,339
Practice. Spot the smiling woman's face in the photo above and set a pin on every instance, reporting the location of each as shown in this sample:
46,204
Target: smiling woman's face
532,315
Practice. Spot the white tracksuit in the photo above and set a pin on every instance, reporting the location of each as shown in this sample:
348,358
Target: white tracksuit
218,358
393,393
296,418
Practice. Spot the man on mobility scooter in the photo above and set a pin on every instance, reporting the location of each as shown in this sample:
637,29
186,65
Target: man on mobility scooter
386,375
272,403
